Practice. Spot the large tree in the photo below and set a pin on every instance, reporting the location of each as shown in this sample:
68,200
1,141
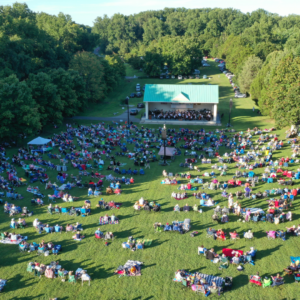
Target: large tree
45,94
91,69
249,71
283,94
18,110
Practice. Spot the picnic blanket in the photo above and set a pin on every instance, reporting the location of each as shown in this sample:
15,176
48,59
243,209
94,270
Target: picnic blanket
255,210
181,198
8,241
228,252
128,265
131,263
146,242
61,188
102,222
210,278
205,204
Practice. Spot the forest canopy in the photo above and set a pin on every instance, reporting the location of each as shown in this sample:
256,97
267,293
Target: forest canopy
53,68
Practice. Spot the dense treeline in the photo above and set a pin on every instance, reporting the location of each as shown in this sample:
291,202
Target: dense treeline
48,69
257,47
51,67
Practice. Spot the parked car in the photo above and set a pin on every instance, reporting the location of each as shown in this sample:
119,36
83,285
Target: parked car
144,87
185,77
133,111
204,77
138,85
173,76
140,105
138,89
132,95
205,65
179,77
191,77
139,94
197,77
167,77
238,95
161,77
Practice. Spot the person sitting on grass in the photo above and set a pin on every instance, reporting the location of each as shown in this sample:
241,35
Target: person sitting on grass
236,259
220,234
291,230
292,267
186,207
211,255
78,236
98,233
177,207
248,235
234,235
109,236
49,273
277,280
69,228
213,288
133,271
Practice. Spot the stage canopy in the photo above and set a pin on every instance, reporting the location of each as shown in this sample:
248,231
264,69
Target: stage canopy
39,141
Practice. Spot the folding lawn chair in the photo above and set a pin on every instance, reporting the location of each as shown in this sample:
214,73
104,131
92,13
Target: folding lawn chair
72,279
64,210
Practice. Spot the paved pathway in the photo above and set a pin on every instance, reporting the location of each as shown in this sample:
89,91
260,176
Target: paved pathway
123,117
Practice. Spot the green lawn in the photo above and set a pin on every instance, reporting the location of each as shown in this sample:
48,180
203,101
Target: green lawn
169,251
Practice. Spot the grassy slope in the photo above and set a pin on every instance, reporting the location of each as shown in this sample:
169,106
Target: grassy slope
168,252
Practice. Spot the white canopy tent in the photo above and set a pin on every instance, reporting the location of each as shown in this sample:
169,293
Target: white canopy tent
39,141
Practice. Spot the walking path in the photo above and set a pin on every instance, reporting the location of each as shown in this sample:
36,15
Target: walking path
123,117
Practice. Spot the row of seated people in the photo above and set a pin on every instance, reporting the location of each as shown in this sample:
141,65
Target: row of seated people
93,193
110,190
100,235
133,244
123,171
280,204
179,196
144,204
180,226
21,223
232,256
189,115
40,248
273,217
184,187
13,237
224,218
187,208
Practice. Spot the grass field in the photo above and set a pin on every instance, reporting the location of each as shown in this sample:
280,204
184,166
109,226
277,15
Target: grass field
169,251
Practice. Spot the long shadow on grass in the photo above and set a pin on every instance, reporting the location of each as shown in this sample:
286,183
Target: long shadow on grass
264,253
126,233
240,281
18,282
